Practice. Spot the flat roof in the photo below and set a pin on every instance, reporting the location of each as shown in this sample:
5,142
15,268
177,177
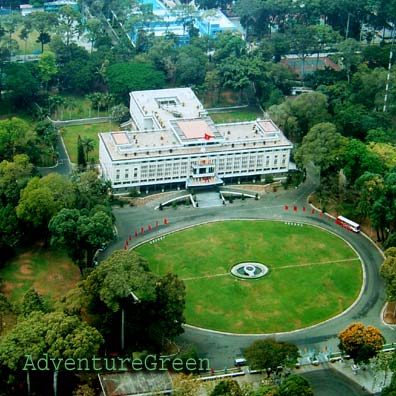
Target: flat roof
120,137
168,104
195,129
180,125
155,144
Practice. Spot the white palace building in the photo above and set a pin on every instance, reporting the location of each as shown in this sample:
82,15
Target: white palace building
175,144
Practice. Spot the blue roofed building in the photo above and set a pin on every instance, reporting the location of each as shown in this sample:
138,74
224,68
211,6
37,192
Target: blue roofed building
170,19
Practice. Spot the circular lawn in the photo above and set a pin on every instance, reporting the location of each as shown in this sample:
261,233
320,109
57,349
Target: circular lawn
313,274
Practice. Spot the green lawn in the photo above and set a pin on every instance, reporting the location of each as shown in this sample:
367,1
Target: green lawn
70,136
313,274
50,272
76,107
31,43
246,114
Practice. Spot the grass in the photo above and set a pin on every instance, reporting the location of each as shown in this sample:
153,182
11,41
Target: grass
313,275
31,44
50,272
76,107
70,136
246,114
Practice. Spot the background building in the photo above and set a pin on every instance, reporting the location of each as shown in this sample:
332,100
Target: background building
169,19
175,144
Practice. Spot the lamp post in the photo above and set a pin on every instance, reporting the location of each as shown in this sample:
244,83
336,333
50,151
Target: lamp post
389,71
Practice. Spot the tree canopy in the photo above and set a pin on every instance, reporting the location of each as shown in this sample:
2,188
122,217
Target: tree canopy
269,354
123,78
361,342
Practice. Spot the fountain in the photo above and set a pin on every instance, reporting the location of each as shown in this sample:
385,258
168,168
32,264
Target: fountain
249,270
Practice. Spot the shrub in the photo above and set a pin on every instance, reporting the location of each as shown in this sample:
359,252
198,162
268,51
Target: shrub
269,179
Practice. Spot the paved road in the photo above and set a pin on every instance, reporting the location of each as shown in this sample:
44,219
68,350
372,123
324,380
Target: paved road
329,382
63,165
221,349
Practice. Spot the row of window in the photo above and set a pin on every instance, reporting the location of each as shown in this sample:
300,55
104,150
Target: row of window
182,168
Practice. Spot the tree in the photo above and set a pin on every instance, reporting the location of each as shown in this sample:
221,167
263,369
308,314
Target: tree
386,153
351,55
16,137
94,31
89,190
302,41
20,84
32,301
122,290
380,215
295,385
88,145
43,198
81,235
14,175
120,113
123,78
44,23
47,67
322,145
228,44
69,23
240,73
55,334
323,35
358,158
81,159
371,187
310,109
5,308
10,230
190,66
269,354
360,342
388,272
228,387
94,231
185,385
25,32
169,309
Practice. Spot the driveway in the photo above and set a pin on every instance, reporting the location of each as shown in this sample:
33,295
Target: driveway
220,348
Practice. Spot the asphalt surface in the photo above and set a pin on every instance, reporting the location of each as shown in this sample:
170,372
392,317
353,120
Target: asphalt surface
221,349
63,165
329,382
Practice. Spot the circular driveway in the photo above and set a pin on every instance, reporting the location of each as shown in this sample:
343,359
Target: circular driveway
221,349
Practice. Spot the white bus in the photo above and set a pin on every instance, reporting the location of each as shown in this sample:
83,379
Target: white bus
348,224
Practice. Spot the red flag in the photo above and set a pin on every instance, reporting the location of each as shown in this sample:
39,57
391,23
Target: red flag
304,209
156,223
130,237
295,208
313,211
207,136
165,221
126,242
286,207
136,234
149,227
142,230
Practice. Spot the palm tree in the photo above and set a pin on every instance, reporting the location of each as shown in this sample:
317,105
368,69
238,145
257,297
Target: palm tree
88,144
